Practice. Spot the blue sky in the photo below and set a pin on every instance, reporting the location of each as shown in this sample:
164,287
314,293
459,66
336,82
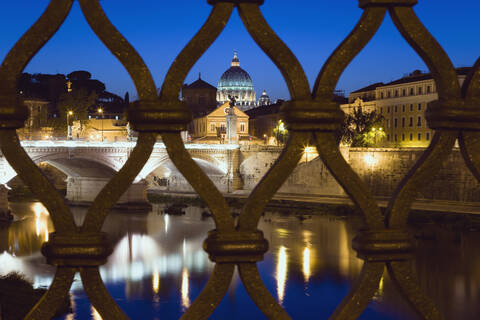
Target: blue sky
311,28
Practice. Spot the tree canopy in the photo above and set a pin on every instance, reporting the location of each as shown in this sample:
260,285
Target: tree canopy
78,102
362,129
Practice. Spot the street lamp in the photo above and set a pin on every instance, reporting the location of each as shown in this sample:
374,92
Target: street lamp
375,131
69,127
100,111
306,151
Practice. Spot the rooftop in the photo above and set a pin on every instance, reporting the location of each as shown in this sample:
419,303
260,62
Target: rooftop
415,76
199,84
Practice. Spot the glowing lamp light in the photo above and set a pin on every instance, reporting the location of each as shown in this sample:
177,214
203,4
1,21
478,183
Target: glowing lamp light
70,113
100,110
309,149
370,160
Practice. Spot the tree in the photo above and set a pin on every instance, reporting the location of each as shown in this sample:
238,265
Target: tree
362,129
79,103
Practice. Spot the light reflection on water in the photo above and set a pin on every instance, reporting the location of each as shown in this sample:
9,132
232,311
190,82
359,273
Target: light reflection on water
306,264
281,273
158,266
185,290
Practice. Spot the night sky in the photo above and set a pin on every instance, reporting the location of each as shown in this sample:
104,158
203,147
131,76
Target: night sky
311,28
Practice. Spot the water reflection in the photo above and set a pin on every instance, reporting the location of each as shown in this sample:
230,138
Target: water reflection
158,266
185,290
281,273
95,314
155,281
41,220
166,218
306,264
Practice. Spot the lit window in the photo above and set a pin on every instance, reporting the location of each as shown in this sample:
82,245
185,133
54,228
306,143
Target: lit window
396,93
411,107
388,109
395,122
419,121
403,122
419,90
242,127
412,92
427,137
395,137
411,136
404,92
410,122
403,136
419,107
396,109
419,137
212,127
429,89
388,137
403,108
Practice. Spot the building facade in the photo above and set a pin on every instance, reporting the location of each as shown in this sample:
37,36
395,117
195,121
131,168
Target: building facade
110,130
263,120
402,103
237,83
200,97
212,128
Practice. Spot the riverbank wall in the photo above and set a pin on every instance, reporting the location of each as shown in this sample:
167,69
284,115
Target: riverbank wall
381,169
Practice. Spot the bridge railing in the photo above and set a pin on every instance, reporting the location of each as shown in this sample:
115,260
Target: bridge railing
310,114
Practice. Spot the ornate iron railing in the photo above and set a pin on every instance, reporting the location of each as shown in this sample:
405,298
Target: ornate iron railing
309,115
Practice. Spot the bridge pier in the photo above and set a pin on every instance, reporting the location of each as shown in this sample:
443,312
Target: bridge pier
83,190
235,179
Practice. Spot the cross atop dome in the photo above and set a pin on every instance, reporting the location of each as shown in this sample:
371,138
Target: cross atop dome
235,60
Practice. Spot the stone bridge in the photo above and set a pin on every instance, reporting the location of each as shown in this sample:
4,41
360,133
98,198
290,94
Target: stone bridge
90,165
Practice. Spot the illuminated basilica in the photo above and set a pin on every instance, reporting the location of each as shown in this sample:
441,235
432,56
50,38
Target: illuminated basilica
236,82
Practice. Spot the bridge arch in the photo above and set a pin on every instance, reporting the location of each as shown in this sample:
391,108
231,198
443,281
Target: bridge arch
207,164
78,166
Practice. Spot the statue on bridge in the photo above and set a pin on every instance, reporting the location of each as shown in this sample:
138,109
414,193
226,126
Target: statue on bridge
233,100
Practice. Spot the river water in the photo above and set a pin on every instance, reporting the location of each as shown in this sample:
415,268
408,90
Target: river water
158,266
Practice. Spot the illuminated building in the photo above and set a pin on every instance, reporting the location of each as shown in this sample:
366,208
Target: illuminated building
110,130
236,82
263,120
402,103
264,99
36,125
212,128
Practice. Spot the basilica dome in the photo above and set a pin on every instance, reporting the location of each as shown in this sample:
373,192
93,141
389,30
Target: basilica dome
236,82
